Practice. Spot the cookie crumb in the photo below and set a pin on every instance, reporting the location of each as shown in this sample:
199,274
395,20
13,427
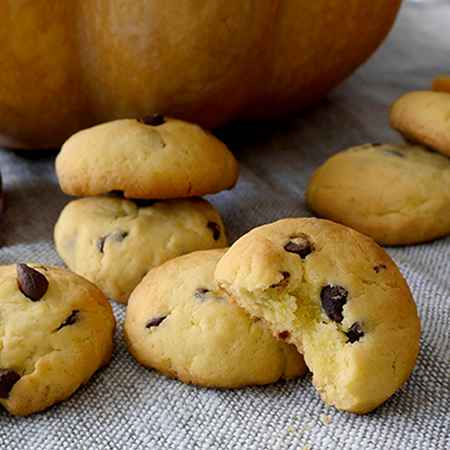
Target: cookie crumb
325,419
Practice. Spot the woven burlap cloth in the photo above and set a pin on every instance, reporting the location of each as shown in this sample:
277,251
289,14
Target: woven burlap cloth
126,406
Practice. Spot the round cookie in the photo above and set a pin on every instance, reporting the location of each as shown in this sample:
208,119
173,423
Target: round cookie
423,117
179,323
442,83
57,330
113,242
338,297
153,158
397,194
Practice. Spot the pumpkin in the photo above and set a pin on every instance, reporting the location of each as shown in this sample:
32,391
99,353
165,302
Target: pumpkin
66,65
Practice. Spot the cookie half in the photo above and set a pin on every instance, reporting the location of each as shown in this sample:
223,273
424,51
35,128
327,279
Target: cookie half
423,117
338,297
114,242
153,158
181,324
57,330
397,194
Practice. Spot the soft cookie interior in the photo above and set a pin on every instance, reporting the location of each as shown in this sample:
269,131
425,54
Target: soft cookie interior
338,297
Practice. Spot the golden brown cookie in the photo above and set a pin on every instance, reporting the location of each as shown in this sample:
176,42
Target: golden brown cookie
181,324
337,296
397,194
154,158
424,117
56,331
113,242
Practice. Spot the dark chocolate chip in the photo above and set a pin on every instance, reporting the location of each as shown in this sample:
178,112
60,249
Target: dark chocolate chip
379,267
117,236
284,334
394,153
333,299
215,228
156,321
74,316
376,144
154,120
300,245
283,282
100,244
8,378
354,333
200,293
32,283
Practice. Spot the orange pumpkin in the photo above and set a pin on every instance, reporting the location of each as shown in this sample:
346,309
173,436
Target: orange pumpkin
69,64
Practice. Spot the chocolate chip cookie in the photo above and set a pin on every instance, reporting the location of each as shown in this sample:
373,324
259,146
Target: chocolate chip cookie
56,331
424,117
113,242
397,194
155,157
337,296
181,324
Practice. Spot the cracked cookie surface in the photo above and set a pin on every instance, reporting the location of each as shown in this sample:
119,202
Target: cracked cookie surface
149,158
397,194
56,330
424,117
181,324
113,242
344,305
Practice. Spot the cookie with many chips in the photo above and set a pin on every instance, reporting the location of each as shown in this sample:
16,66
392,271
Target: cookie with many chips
337,296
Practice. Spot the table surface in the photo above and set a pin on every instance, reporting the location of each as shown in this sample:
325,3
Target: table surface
128,406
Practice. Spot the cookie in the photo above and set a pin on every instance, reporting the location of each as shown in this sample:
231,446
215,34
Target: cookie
442,83
337,296
57,330
423,117
155,158
397,194
113,242
181,324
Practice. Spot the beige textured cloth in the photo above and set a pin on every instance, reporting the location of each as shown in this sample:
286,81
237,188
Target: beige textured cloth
128,407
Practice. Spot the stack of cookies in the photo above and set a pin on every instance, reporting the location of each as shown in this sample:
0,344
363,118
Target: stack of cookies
397,194
140,180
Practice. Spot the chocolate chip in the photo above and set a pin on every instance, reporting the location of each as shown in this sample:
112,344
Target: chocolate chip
394,153
376,144
333,299
300,245
117,236
31,283
215,228
379,267
200,293
154,120
8,378
354,333
100,244
283,282
156,321
284,334
74,316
